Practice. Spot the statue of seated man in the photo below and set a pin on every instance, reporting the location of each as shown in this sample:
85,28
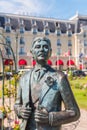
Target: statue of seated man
41,92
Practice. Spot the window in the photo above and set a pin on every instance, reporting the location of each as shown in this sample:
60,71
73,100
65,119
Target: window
46,31
58,51
58,42
84,34
7,20
85,42
22,41
34,30
8,40
22,30
33,21
8,29
69,32
69,43
8,51
58,32
85,51
21,52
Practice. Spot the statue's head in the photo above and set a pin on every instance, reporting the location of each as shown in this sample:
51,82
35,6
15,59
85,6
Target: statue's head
41,49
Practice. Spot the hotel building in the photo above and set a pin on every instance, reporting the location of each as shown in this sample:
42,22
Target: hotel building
68,38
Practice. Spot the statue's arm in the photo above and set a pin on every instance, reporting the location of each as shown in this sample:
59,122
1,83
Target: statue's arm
71,112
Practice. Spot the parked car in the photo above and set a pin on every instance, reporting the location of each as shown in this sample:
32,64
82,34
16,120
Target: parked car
85,71
8,75
78,73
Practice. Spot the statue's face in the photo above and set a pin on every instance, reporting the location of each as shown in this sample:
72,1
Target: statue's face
41,51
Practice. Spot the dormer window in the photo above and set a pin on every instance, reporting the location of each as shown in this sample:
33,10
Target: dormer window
8,28
7,20
22,29
8,40
46,31
33,22
69,33
58,42
22,41
84,34
58,32
46,28
34,30
34,27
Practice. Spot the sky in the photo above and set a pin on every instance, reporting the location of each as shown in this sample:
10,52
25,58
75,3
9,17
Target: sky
61,9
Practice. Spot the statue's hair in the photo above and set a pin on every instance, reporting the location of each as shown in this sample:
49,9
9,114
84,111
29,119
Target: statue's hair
38,39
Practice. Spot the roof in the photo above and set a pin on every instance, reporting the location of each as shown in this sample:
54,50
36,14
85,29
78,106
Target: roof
52,23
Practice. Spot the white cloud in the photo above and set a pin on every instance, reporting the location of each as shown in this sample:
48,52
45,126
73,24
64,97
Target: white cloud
28,6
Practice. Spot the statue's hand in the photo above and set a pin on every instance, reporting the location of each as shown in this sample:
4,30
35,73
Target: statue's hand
25,112
42,116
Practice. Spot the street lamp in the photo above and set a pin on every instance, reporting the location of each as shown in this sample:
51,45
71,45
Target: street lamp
17,51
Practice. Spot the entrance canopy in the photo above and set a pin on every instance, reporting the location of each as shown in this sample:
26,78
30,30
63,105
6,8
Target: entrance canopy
70,62
59,62
22,62
8,62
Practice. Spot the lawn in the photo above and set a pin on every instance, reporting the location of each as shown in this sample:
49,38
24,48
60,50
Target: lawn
80,92
77,86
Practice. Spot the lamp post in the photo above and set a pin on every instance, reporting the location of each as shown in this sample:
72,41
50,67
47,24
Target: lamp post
17,52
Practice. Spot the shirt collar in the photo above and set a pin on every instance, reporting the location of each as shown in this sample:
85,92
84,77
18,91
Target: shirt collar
38,68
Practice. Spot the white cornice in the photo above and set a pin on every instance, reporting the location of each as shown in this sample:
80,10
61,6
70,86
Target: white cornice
36,18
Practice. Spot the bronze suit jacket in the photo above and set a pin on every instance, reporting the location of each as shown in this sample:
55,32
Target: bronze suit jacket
54,90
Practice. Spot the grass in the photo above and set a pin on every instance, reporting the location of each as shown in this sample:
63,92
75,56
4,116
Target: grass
77,86
80,92
81,98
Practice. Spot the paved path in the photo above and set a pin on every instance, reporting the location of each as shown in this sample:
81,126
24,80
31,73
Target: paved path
81,124
83,121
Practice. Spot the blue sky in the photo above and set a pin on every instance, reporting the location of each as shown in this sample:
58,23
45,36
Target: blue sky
62,9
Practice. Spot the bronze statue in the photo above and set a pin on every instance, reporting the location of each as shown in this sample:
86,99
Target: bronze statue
41,92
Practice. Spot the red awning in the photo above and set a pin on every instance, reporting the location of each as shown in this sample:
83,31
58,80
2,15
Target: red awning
33,62
49,62
59,62
22,62
8,62
70,62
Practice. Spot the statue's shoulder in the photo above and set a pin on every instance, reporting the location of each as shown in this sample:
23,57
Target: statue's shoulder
60,74
57,73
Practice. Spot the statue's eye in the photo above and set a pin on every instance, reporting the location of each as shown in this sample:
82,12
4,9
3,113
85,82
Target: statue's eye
46,46
37,46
